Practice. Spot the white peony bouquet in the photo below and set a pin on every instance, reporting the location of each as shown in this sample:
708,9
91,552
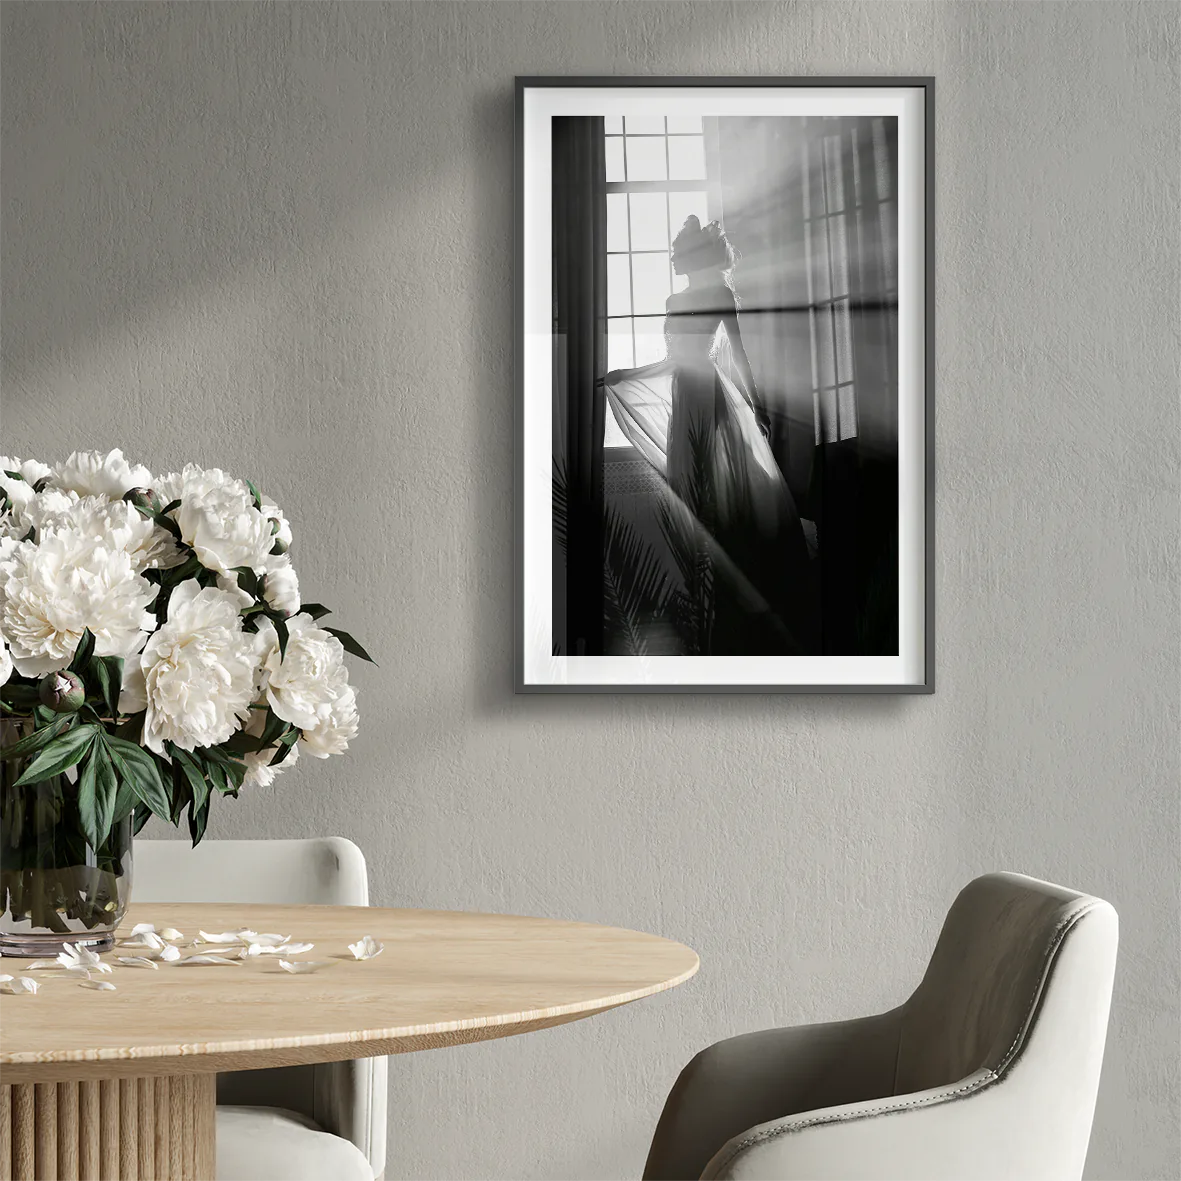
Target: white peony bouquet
152,639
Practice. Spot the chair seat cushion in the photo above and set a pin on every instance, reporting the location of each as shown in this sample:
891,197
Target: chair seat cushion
270,1144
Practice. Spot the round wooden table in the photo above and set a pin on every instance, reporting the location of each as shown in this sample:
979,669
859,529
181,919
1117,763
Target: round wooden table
98,1084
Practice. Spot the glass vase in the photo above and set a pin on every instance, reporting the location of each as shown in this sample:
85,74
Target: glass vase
55,888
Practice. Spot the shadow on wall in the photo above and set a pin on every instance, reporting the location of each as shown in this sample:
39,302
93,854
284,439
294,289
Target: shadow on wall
158,150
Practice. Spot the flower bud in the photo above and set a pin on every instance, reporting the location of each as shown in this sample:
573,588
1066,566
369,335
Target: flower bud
62,692
143,499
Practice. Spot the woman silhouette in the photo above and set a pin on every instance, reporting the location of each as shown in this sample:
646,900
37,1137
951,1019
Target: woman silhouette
707,435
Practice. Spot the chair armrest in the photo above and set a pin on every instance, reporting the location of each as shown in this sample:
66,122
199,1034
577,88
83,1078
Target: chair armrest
345,1098
349,1100
760,1077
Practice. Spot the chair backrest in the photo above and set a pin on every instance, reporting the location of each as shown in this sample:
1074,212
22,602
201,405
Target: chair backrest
992,967
348,1098
329,871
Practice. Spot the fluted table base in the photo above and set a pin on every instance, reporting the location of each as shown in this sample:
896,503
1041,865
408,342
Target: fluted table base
127,1129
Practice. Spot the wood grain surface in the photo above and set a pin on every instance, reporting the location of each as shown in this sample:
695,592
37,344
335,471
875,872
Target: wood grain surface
444,978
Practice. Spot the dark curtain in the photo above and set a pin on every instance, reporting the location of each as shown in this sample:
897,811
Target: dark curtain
837,450
854,483
579,336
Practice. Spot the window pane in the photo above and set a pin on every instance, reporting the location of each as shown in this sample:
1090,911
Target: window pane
690,124
619,344
612,435
650,346
847,412
680,205
814,186
613,124
686,157
838,244
822,343
645,125
833,175
617,221
818,253
619,300
844,342
645,158
651,284
614,158
649,221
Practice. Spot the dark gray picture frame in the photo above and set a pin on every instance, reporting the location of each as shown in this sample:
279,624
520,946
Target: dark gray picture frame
927,86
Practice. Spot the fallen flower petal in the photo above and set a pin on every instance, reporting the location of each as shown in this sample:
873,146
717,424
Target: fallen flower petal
366,948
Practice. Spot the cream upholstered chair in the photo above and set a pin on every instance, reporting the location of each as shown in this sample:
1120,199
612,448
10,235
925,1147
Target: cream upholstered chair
295,1123
988,1071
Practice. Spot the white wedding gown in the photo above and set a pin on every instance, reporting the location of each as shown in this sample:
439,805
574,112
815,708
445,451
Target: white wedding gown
691,422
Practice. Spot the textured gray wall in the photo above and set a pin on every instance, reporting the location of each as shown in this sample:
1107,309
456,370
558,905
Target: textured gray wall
279,239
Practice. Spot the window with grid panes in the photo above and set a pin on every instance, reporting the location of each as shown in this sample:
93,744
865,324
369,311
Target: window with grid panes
656,178
848,198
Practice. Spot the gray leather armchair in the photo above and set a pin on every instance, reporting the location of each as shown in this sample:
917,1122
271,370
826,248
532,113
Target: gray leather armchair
990,1069
296,1122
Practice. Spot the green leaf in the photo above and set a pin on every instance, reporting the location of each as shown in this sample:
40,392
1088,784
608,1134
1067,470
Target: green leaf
35,741
198,819
235,773
272,728
281,631
217,776
170,507
283,751
88,803
243,743
248,581
254,492
137,766
108,676
140,817
106,792
350,645
83,652
43,714
125,801
193,772
60,755
315,610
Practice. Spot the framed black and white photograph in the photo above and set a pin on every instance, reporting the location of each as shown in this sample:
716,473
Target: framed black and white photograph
724,443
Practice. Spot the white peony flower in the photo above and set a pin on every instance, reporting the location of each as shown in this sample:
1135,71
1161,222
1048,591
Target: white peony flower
5,662
195,678
229,584
280,527
19,491
90,473
52,504
218,519
113,523
303,685
331,736
169,488
51,592
280,587
259,773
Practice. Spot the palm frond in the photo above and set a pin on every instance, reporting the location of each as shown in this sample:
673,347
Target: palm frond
636,585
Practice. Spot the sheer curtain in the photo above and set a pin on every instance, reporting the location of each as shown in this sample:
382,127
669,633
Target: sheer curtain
579,342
